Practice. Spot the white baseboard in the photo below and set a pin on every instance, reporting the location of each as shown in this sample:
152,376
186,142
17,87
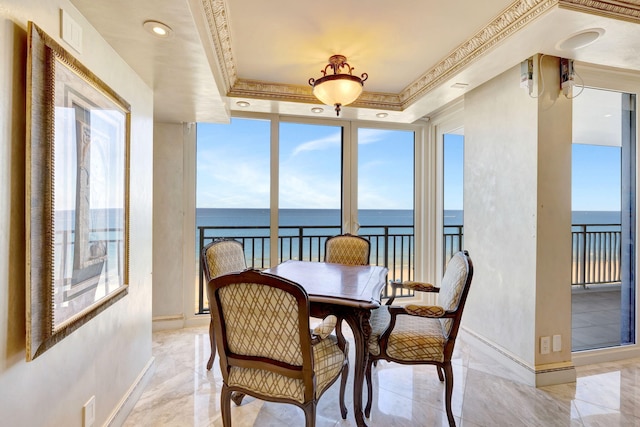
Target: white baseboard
611,354
163,323
515,369
199,320
129,400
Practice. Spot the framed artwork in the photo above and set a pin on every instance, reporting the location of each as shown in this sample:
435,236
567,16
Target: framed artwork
77,194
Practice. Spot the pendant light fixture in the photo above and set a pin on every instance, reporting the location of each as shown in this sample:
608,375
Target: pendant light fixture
340,88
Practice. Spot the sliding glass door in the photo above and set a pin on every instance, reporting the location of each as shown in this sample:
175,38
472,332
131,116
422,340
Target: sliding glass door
604,217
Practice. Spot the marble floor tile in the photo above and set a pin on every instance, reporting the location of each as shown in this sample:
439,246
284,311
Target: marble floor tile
182,392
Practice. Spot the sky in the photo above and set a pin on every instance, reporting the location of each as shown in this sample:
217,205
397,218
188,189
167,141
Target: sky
233,168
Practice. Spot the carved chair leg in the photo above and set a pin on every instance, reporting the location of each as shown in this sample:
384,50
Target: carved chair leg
343,386
448,391
440,373
310,414
342,342
237,397
367,408
225,406
213,346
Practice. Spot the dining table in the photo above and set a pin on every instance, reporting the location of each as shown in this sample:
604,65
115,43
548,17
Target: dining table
347,291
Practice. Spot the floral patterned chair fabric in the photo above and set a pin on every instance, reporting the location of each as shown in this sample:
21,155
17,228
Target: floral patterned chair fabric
418,334
266,347
220,257
347,249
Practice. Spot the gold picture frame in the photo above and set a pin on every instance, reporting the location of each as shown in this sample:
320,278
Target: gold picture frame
77,197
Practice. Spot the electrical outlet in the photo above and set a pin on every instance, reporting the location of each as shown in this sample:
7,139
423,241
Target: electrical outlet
557,343
545,345
89,412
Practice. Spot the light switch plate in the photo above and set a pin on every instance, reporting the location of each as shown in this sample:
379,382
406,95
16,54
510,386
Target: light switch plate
545,345
71,31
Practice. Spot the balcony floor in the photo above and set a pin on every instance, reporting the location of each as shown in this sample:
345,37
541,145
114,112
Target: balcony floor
595,317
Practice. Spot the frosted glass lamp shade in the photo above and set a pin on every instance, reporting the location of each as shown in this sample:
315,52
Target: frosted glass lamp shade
340,89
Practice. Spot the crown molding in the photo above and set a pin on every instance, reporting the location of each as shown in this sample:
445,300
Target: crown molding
300,93
515,17
519,14
628,10
217,19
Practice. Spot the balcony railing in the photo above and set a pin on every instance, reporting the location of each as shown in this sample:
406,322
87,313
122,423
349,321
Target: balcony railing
596,252
392,246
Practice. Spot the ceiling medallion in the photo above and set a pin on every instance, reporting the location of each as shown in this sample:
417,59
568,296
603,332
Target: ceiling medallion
340,88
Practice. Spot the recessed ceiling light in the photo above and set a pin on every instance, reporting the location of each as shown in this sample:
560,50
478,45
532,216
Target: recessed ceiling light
158,29
382,115
581,39
460,85
242,104
317,110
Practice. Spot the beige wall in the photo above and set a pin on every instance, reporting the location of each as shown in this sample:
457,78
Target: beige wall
517,214
106,356
169,206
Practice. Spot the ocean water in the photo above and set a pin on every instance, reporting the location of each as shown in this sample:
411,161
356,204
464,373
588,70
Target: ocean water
367,217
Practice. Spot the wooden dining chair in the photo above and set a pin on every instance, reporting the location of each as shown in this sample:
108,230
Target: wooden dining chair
421,334
266,347
222,256
347,249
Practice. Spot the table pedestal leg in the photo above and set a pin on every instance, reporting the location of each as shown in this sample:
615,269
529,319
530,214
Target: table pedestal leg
358,321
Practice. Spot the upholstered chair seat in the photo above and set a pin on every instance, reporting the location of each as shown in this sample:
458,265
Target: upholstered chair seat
328,362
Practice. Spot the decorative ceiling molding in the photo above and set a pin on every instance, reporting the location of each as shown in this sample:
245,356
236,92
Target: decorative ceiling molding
302,93
218,21
515,17
628,10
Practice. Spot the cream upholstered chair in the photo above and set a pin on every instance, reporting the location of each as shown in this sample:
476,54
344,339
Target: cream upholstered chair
417,334
222,256
266,347
347,249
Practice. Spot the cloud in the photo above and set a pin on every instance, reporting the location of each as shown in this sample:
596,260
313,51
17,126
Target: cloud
369,136
318,144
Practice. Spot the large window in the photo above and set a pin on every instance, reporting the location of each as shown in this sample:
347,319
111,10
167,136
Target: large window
232,190
385,196
603,211
310,189
329,178
452,194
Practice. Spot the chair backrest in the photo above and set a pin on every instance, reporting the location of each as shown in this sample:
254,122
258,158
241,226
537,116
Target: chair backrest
222,256
454,289
347,249
262,322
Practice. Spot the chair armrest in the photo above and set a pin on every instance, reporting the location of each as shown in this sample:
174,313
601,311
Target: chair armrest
324,329
411,285
420,286
434,311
